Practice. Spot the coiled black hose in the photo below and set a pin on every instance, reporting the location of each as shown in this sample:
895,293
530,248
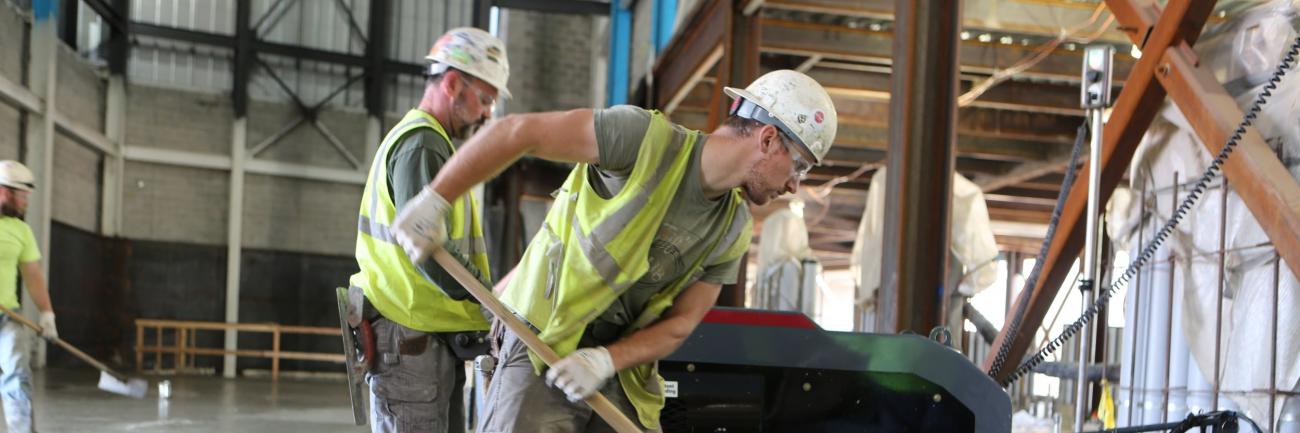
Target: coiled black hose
1215,168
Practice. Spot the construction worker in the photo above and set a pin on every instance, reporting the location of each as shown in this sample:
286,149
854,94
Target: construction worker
19,254
413,308
650,224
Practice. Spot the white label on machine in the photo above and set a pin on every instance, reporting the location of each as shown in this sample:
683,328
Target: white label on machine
670,389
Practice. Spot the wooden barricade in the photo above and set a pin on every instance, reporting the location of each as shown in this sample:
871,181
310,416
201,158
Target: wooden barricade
184,349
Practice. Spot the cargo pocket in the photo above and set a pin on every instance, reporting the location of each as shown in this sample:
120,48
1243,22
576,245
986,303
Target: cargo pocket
405,378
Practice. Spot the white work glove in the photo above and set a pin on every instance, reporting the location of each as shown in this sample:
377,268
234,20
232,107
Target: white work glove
48,330
421,227
582,373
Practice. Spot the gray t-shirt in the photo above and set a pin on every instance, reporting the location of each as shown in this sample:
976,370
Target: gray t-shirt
692,223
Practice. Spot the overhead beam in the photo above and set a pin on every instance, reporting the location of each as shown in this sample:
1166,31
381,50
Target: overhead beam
574,7
873,46
1025,172
108,13
1133,113
690,54
1016,96
261,46
208,161
1052,132
860,136
1025,18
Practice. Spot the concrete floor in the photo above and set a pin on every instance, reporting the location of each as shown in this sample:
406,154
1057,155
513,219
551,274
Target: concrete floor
68,401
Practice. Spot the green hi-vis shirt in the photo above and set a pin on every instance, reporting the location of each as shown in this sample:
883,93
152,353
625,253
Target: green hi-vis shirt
692,221
17,246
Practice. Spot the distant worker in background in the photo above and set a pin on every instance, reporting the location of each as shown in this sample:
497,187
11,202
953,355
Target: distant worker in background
19,254
415,308
650,224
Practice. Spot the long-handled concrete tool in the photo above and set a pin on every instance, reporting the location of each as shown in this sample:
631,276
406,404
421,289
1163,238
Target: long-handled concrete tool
597,401
109,379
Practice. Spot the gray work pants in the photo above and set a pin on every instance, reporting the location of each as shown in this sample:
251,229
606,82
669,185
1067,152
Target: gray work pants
416,391
519,401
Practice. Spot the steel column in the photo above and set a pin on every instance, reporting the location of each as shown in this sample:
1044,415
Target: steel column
1134,110
243,65
119,41
114,165
741,39
68,23
664,21
922,138
234,238
37,151
620,53
376,51
244,57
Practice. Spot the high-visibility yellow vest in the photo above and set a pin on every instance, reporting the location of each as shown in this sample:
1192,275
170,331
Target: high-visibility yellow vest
391,283
592,249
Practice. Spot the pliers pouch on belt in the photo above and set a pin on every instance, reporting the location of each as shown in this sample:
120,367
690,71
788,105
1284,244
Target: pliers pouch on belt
358,315
355,316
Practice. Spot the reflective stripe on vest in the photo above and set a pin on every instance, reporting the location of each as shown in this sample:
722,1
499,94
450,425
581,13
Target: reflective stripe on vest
591,249
642,383
392,284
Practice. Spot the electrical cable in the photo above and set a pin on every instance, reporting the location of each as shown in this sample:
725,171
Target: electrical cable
1013,329
1193,196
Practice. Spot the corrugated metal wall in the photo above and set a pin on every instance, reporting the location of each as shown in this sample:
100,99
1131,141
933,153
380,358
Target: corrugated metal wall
319,24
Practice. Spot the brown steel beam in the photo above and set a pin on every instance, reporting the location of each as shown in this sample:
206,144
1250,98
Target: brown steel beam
873,46
1051,132
1134,110
1025,19
1059,99
687,57
1262,182
741,67
1055,164
922,150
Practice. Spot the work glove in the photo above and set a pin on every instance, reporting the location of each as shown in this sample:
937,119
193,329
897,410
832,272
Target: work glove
421,226
48,330
582,373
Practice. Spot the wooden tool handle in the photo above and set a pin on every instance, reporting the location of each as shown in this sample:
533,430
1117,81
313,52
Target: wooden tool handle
65,345
607,411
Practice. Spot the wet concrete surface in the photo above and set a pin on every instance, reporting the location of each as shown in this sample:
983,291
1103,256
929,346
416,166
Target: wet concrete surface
70,401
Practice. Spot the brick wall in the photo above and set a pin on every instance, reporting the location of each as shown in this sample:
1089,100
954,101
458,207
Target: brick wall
300,215
178,204
550,60
76,184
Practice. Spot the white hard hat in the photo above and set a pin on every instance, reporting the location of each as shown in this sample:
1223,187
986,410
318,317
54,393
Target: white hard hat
15,175
472,51
794,103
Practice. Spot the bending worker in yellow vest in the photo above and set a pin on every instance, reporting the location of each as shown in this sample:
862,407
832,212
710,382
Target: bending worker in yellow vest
641,237
415,379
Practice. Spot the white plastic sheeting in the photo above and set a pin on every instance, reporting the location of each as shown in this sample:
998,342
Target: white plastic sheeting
972,242
1243,53
787,271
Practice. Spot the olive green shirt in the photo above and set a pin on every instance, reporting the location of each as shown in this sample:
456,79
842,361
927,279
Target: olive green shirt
412,163
693,221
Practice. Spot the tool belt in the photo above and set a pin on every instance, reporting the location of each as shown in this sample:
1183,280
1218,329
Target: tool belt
361,316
